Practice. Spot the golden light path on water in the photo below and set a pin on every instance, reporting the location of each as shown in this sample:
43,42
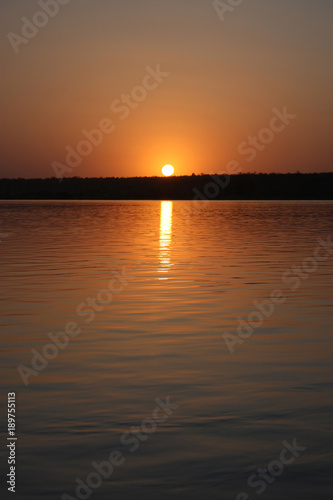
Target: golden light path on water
165,237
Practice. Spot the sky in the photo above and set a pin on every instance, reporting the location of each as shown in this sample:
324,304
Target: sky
193,83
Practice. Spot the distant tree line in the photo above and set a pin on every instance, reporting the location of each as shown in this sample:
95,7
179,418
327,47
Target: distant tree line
236,187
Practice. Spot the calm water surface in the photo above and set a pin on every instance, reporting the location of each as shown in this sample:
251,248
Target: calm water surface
194,270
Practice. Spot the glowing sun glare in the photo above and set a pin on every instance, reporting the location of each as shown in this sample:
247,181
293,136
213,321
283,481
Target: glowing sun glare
168,170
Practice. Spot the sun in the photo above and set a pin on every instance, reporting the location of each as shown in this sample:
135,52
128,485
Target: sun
168,170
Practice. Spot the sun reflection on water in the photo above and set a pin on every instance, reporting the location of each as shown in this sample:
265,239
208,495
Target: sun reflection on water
165,237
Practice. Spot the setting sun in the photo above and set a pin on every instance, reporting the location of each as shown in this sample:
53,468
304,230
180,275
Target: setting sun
168,170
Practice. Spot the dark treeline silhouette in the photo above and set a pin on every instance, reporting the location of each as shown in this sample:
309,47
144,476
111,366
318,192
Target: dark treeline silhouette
236,187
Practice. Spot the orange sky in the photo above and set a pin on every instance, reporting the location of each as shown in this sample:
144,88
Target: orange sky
224,79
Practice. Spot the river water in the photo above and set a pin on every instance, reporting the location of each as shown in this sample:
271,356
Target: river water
220,312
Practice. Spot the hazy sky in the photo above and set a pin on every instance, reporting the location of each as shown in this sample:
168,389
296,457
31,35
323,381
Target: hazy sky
220,81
